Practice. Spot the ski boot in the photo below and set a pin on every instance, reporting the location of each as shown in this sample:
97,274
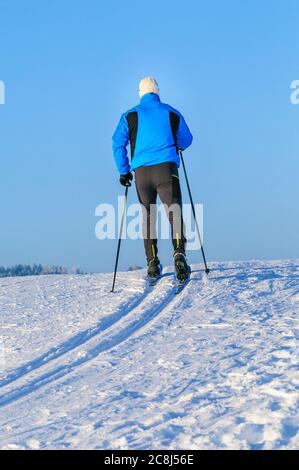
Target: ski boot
154,271
182,269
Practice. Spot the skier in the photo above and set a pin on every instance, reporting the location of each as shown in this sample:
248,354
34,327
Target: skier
156,133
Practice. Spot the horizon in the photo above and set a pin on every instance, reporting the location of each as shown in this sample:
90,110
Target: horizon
132,268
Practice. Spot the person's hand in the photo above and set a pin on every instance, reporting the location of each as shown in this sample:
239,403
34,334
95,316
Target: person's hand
125,180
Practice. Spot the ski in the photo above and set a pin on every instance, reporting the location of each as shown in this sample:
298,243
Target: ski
152,280
180,284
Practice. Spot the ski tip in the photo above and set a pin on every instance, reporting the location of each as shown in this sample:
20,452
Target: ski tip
152,281
179,285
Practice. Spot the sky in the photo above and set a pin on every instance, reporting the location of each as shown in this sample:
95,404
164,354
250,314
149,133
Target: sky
71,67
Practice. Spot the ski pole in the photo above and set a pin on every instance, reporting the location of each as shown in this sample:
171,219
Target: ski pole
119,238
194,215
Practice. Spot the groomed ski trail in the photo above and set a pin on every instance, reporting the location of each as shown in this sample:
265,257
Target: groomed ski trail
130,318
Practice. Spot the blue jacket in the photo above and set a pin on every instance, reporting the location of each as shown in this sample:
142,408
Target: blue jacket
155,131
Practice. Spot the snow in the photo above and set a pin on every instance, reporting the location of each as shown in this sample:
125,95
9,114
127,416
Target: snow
215,367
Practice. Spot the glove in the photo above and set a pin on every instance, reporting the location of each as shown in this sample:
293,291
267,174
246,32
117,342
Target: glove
125,180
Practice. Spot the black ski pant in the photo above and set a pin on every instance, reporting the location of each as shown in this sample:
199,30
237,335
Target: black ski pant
163,180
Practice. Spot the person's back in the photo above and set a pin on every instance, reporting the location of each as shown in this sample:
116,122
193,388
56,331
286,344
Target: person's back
155,131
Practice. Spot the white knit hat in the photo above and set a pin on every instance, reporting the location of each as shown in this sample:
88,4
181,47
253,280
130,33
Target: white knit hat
148,85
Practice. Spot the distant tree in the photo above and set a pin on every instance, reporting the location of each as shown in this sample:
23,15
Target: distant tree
135,267
76,270
36,269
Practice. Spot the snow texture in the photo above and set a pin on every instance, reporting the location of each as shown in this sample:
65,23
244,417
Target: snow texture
215,367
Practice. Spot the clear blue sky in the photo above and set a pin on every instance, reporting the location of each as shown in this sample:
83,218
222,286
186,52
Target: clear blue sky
71,67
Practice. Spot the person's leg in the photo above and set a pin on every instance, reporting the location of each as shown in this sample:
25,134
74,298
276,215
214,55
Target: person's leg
169,190
147,196
167,184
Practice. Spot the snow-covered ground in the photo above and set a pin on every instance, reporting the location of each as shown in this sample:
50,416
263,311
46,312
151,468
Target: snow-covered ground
215,367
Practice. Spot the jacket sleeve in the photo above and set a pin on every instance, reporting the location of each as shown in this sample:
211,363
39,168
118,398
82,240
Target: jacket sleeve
120,140
184,136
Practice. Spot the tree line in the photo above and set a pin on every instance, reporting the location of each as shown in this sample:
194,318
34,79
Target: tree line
36,270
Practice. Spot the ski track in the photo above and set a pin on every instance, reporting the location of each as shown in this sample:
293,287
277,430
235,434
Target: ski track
215,366
132,307
75,341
